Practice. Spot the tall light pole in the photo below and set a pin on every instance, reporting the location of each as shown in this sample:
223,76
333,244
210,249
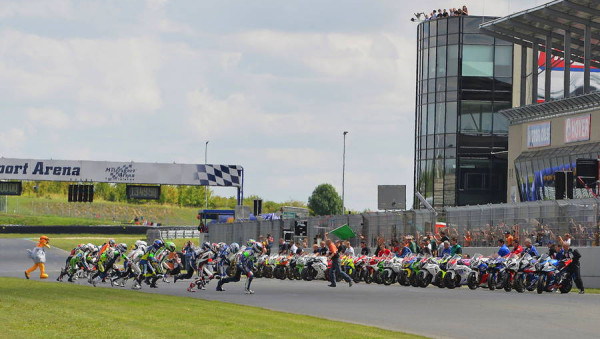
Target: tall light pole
205,187
344,173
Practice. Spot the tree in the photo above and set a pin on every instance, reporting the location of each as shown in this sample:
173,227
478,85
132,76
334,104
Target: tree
325,200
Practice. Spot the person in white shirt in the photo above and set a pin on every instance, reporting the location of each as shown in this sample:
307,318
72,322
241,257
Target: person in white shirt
349,249
293,248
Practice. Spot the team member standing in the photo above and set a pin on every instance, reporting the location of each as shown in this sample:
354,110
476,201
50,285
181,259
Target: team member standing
335,263
574,269
38,254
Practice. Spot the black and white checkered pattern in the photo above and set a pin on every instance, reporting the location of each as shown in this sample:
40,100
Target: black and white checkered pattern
220,175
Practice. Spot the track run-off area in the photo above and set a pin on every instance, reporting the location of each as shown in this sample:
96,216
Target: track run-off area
433,312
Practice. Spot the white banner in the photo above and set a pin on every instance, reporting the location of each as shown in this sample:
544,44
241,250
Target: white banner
577,129
120,172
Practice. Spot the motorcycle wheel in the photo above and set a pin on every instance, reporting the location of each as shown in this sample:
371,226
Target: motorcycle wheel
298,274
311,274
541,284
388,277
472,281
449,280
529,285
439,279
566,285
491,282
289,273
327,274
402,277
368,277
426,278
414,280
507,283
377,277
519,284
259,272
268,272
357,275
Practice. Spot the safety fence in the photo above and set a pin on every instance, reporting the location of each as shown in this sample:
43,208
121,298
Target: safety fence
541,221
368,226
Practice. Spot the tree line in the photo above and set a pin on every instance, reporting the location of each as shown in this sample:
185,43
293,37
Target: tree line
182,196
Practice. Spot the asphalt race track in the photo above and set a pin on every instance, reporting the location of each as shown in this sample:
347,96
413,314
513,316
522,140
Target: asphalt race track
434,312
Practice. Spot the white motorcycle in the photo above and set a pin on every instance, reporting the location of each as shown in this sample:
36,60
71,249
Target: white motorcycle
458,271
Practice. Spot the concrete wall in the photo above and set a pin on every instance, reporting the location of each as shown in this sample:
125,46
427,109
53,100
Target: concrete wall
590,262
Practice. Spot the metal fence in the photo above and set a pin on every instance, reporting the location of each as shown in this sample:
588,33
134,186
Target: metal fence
541,221
481,226
369,226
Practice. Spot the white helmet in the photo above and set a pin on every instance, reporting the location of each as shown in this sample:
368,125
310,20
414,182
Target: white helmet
234,247
140,243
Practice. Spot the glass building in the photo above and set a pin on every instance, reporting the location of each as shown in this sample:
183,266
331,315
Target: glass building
464,78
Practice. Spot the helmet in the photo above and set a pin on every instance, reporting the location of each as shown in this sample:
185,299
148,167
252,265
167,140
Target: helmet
94,249
257,247
250,242
222,245
234,247
158,243
214,247
170,246
90,246
43,237
83,247
205,245
111,242
122,247
140,243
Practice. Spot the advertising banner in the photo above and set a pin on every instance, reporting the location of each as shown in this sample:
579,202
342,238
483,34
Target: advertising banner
577,129
120,172
538,135
557,74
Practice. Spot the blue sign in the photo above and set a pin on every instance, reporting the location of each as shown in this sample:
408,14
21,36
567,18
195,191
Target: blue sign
538,135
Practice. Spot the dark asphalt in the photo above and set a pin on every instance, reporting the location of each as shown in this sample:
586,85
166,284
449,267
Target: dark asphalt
433,312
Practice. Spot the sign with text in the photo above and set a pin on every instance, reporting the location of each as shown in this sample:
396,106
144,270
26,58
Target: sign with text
538,135
121,172
577,129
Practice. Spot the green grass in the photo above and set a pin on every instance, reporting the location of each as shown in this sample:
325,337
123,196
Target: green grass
33,309
55,210
68,241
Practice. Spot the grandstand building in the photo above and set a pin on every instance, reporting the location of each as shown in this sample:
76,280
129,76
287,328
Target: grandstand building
555,117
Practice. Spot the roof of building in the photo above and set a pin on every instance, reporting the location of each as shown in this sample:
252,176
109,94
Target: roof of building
533,25
545,110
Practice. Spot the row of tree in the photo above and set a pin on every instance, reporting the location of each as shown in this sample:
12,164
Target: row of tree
183,196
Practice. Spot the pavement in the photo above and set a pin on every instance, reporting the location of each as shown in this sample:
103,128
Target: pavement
432,312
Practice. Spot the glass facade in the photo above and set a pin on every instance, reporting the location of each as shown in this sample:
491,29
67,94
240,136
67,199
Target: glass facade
463,79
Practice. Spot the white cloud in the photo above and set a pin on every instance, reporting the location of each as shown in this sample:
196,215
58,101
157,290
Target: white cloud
35,8
12,141
49,117
114,75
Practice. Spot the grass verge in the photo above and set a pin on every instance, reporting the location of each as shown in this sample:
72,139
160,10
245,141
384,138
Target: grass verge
32,309
68,241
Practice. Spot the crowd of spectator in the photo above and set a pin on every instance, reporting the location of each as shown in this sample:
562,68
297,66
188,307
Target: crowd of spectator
439,13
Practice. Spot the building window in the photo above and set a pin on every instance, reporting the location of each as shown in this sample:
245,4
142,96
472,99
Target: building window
478,61
432,51
477,39
452,68
475,117
503,61
451,117
440,118
441,61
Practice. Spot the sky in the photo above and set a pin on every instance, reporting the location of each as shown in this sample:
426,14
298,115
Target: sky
271,84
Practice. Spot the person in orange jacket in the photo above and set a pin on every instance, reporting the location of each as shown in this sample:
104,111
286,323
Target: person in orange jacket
38,254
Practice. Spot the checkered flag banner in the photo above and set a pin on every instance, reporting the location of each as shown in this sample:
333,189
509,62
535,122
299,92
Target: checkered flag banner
220,175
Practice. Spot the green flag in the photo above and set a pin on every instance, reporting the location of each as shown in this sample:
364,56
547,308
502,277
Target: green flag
343,232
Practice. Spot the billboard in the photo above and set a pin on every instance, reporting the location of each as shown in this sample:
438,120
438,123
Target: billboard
391,197
120,172
557,75
538,135
578,128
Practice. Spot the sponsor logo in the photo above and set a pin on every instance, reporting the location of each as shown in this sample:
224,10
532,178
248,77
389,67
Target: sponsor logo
577,129
120,173
538,135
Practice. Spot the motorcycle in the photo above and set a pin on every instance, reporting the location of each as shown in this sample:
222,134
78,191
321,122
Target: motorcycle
429,269
458,271
478,275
